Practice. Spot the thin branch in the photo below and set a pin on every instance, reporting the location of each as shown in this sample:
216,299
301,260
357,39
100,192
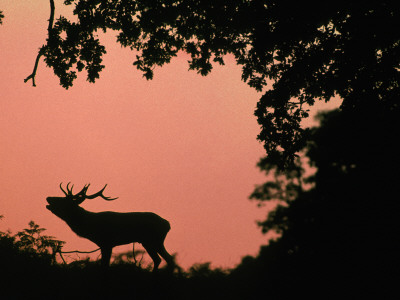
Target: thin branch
59,252
33,75
42,49
76,251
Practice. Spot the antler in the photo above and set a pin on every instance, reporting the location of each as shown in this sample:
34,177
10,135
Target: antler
69,191
83,191
81,196
99,194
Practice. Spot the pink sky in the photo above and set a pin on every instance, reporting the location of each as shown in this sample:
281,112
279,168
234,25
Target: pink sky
181,145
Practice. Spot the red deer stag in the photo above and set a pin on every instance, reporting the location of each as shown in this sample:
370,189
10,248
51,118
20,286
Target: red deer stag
109,229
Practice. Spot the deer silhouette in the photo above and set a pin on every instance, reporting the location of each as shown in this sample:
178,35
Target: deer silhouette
109,229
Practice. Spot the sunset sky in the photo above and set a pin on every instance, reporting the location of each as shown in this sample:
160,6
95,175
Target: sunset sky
182,145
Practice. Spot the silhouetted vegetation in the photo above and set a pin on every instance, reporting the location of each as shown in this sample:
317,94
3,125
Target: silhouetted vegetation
340,226
306,50
27,261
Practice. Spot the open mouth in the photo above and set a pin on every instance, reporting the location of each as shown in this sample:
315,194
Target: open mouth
48,206
49,202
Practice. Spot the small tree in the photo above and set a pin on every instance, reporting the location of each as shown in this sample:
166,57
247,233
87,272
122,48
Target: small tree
32,240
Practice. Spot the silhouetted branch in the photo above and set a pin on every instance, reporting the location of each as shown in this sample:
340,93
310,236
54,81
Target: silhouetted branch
33,75
42,49
51,20
134,256
75,251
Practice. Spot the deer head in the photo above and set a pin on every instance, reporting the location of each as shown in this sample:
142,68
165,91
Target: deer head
62,206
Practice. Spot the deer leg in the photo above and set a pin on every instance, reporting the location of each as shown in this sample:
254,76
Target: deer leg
154,256
106,256
164,254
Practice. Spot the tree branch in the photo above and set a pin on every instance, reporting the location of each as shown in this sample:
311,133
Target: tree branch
51,20
76,251
33,75
43,48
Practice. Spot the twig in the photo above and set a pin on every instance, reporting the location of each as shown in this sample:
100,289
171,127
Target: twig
75,251
43,48
62,257
33,75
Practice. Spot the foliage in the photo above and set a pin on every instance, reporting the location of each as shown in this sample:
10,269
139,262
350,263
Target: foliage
26,260
30,243
205,270
131,258
349,152
346,222
276,273
31,240
307,51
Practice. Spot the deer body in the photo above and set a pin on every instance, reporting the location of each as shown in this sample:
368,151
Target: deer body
109,229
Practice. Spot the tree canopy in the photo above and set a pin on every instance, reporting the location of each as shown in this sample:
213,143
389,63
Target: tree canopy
294,52
356,167
339,225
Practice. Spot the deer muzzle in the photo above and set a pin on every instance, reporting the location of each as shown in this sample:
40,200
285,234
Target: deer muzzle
51,201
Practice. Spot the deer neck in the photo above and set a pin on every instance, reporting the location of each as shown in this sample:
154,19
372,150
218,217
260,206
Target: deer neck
79,221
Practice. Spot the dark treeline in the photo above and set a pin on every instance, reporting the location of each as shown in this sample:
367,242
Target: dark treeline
339,226
339,233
